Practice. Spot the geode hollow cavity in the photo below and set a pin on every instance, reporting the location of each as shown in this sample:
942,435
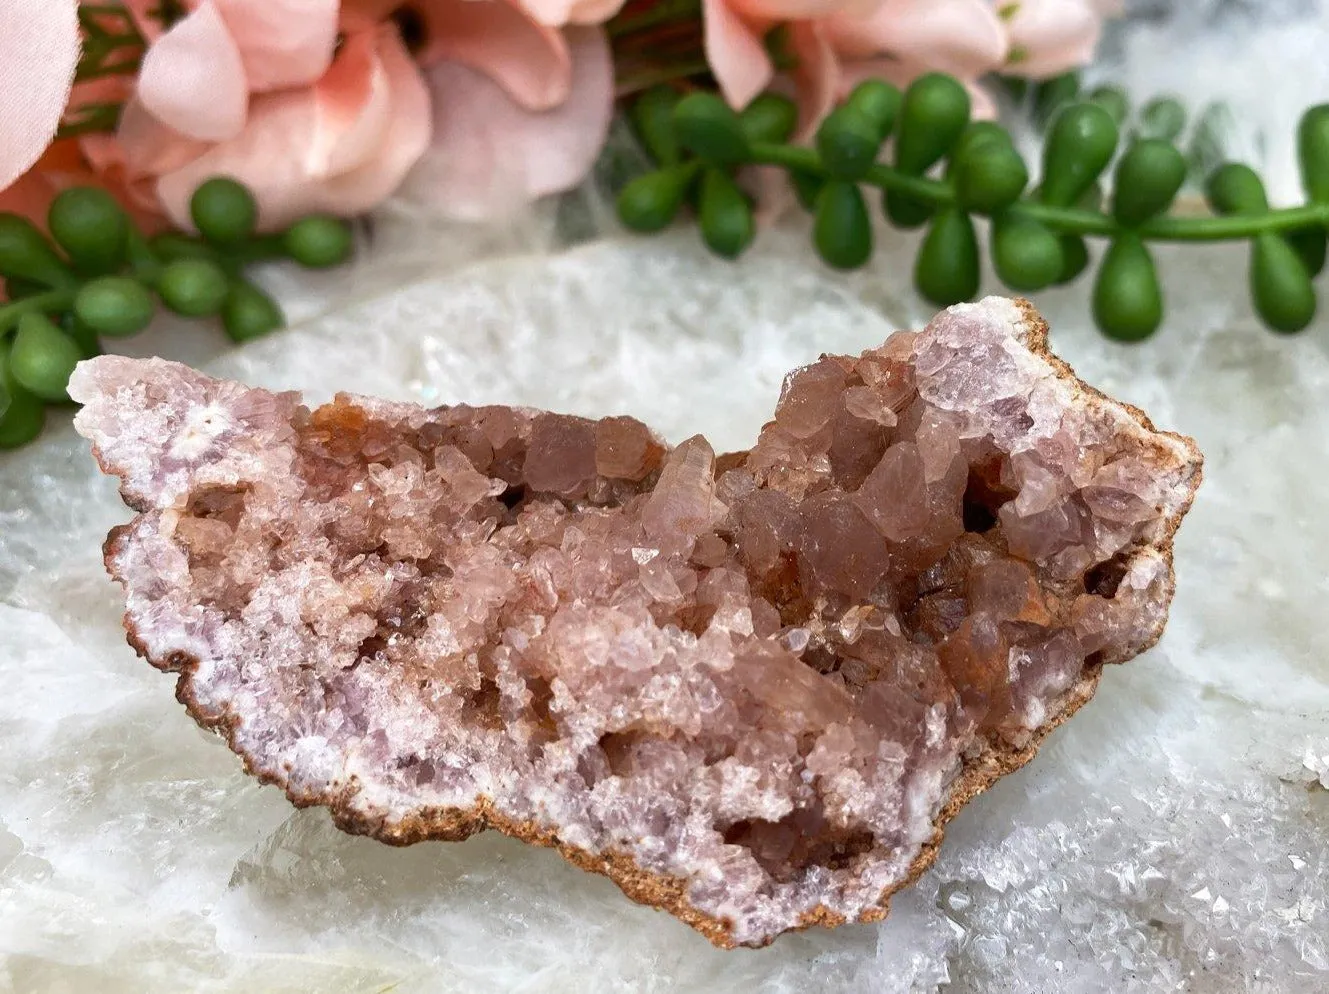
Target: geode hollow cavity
749,688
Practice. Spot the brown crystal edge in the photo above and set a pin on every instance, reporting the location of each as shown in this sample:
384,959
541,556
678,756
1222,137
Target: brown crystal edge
665,892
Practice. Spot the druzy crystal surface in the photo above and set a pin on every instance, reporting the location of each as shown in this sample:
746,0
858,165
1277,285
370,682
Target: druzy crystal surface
750,687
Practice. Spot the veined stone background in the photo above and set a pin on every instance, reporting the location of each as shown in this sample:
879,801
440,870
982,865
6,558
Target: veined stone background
1173,837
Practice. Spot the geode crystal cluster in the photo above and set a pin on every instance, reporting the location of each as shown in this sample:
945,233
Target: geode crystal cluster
751,688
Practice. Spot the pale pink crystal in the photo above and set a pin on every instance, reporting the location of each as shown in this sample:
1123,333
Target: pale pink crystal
750,688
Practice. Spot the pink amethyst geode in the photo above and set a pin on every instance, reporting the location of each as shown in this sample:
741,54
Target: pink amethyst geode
750,688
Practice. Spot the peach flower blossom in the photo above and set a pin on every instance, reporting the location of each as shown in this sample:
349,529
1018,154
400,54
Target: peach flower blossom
319,105
39,48
837,43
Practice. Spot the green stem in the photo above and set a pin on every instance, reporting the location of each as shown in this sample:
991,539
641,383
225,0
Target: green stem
51,300
1066,220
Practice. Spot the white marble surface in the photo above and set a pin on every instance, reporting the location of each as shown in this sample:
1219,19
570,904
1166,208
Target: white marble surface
1174,836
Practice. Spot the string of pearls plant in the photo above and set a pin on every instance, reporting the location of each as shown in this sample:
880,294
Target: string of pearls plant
944,169
98,277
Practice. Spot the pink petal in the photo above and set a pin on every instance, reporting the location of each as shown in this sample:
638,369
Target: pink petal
352,106
146,17
269,155
39,46
817,75
735,53
1049,37
490,156
399,148
799,10
282,42
557,13
593,11
193,78
528,59
145,146
963,37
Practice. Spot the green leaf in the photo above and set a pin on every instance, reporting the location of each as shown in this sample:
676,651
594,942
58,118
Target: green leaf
91,227
769,118
26,254
249,312
42,357
21,420
948,267
879,102
1075,258
1235,188
842,229
114,306
652,120
1310,244
1164,118
932,118
848,143
193,288
1281,287
989,175
1128,300
1054,94
806,187
709,128
1112,99
727,224
1026,254
1313,153
651,202
224,211
1080,144
319,241
1148,179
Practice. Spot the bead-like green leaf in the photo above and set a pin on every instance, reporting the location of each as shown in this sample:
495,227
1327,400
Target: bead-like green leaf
1026,254
1313,153
651,202
879,102
1128,300
1234,188
932,118
727,224
948,267
1281,287
1080,144
1163,117
989,176
114,306
1311,245
21,421
26,254
91,227
842,229
848,143
249,312
1148,178
709,128
42,357
651,116
769,118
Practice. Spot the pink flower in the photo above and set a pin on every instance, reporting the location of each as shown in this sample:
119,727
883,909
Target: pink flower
837,43
39,47
1050,37
319,105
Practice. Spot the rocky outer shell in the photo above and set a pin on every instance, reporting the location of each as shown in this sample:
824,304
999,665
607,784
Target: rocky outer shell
165,465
